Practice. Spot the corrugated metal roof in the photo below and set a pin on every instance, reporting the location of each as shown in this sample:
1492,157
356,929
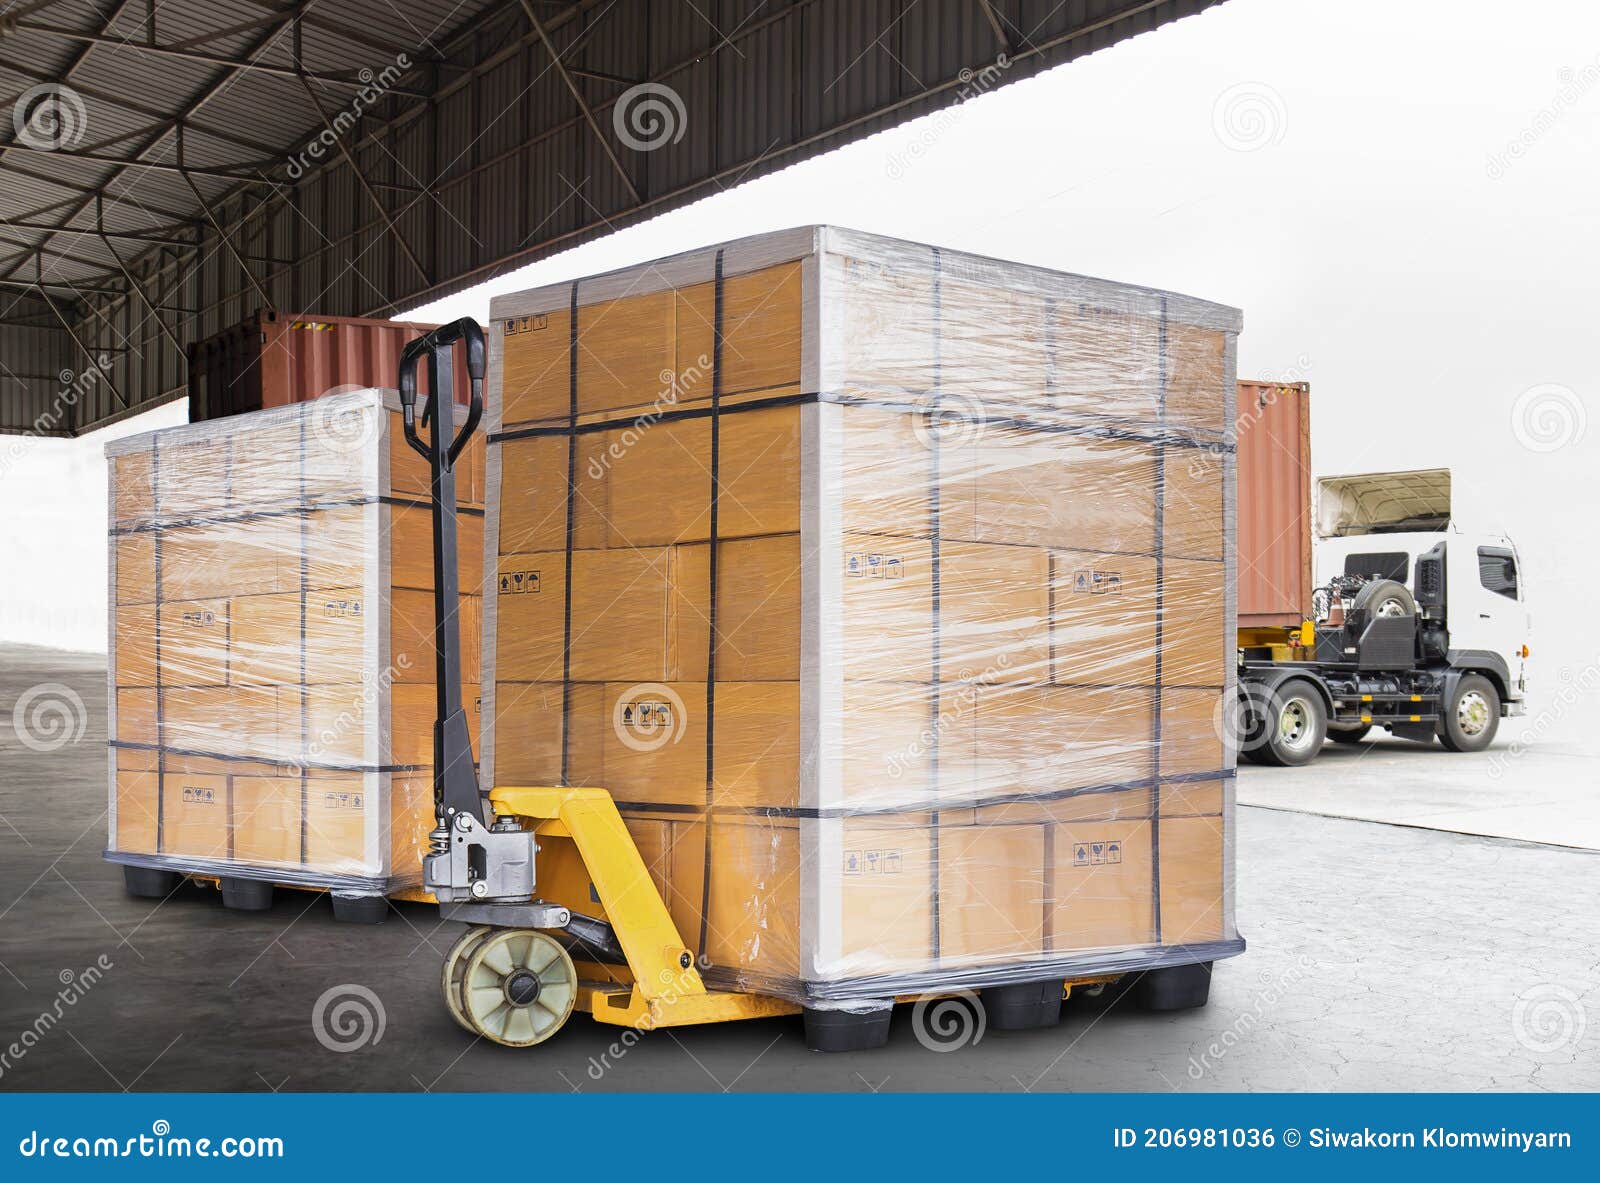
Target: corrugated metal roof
467,138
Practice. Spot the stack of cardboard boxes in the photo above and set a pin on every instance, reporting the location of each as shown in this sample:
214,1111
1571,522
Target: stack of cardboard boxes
887,590
272,668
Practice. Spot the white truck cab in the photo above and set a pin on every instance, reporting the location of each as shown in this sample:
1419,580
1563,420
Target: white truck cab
1381,523
1418,626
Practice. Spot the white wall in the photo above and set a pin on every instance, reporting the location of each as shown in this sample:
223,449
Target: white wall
53,534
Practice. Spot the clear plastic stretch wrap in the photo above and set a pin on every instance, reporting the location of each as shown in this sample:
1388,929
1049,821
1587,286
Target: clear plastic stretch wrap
271,650
889,591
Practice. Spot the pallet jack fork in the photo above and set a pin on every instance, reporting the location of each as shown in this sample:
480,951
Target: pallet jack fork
512,863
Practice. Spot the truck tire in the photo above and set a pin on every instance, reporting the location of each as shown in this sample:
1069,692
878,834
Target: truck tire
1385,597
1297,725
1472,716
1351,735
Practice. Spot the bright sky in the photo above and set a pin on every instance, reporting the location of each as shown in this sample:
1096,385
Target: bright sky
1404,199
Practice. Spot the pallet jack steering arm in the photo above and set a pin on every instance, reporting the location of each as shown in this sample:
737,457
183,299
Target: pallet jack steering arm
473,858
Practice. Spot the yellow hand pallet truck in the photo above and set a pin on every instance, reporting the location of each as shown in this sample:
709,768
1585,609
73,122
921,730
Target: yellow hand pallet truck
500,861
509,979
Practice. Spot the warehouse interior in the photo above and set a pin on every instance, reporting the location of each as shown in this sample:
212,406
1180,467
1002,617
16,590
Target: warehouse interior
202,189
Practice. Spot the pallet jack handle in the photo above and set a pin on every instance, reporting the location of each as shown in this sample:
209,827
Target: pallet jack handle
455,779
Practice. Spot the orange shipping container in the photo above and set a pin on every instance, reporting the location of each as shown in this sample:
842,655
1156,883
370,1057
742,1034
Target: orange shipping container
1274,434
278,358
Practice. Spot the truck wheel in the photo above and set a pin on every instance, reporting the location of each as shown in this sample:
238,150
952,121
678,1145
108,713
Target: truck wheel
1471,717
1349,734
1296,726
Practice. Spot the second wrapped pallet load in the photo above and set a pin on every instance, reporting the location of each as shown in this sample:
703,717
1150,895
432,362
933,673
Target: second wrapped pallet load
888,591
271,674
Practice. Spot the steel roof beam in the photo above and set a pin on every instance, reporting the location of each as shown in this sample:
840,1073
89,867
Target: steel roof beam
243,65
87,356
361,179
218,82
151,238
216,174
583,103
105,96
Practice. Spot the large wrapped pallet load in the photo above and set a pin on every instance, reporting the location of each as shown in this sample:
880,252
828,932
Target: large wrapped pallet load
888,590
271,680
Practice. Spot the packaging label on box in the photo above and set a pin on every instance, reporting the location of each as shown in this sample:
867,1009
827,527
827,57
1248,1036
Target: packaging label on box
1097,583
517,583
868,565
351,801
872,862
199,795
1095,854
336,608
527,324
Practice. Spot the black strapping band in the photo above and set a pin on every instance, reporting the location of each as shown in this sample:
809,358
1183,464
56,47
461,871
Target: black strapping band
934,526
572,509
711,646
1161,577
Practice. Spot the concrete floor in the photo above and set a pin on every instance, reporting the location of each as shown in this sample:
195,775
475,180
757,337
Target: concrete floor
1381,957
1539,792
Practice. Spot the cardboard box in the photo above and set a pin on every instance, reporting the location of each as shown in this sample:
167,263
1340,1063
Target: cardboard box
1103,886
1193,880
533,493
1036,740
194,643
758,609
991,893
1105,362
194,814
886,608
133,644
1102,619
133,558
994,613
757,749
638,614
1040,488
1197,640
133,497
138,792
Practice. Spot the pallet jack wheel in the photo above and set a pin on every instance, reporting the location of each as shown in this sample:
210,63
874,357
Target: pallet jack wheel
518,987
455,969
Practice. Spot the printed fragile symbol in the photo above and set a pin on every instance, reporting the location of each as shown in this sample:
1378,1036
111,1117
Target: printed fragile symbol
1080,854
1081,584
